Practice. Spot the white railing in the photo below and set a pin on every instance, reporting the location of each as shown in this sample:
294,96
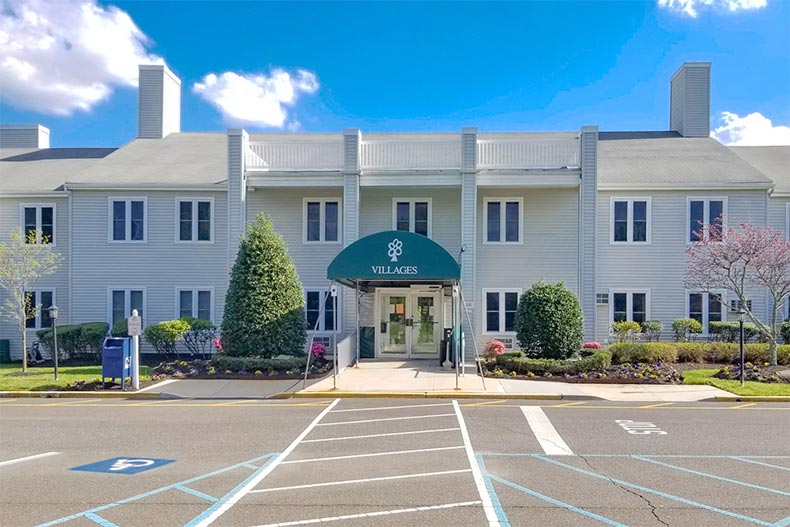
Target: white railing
527,153
296,155
423,154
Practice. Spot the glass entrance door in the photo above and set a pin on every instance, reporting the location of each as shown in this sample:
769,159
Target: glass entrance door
425,324
409,324
393,324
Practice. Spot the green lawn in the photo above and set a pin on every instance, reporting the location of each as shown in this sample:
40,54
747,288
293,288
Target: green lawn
39,379
749,388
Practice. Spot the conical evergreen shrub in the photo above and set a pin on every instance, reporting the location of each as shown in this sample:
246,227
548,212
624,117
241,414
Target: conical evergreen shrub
549,322
264,315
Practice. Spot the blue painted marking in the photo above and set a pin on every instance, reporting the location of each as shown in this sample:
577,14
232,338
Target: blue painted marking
197,493
101,521
783,523
152,492
759,463
206,513
500,512
250,465
564,505
124,465
656,492
712,476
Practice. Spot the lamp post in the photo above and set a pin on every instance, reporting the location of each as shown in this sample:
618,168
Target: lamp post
741,312
53,316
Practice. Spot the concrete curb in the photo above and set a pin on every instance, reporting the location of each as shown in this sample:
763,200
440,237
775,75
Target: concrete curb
432,395
79,395
751,398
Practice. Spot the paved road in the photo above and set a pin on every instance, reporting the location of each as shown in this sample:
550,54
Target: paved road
404,462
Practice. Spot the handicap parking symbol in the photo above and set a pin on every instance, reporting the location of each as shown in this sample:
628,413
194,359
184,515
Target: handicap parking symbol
124,465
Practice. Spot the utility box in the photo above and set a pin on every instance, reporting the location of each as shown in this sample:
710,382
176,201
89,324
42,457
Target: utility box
116,359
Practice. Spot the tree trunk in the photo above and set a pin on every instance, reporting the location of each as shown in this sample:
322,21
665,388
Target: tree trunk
772,352
24,344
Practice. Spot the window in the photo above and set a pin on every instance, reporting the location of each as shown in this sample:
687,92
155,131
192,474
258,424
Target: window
195,220
632,306
503,220
39,219
705,211
321,220
704,308
630,220
318,319
123,301
602,299
127,219
37,304
195,303
501,306
412,215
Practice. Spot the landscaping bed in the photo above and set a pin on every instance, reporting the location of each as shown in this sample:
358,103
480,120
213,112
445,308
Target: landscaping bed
237,368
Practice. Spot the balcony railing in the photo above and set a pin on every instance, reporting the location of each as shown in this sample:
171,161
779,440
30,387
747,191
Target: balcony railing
411,154
296,155
527,153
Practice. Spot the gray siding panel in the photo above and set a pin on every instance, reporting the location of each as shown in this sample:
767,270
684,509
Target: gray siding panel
588,243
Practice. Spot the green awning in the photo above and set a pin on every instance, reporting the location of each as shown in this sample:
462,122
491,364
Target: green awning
393,256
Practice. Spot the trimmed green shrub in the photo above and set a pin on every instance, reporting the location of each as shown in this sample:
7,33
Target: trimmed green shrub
626,331
223,362
784,330
730,331
120,328
549,321
649,352
164,335
691,351
75,341
652,330
684,327
198,339
264,314
721,352
525,365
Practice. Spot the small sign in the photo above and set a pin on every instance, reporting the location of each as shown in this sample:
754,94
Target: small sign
469,305
135,326
124,465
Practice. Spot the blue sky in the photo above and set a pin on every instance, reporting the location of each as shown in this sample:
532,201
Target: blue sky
393,66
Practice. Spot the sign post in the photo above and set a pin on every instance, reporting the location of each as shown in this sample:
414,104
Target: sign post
134,329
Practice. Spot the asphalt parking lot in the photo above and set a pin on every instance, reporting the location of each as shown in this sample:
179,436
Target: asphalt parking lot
378,462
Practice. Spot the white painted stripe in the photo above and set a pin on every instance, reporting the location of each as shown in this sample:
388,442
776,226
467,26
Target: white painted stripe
477,475
28,458
367,480
381,435
390,407
372,514
157,385
231,501
545,433
386,419
375,454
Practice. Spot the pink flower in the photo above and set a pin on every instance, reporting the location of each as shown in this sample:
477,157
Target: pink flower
591,345
318,350
494,348
218,344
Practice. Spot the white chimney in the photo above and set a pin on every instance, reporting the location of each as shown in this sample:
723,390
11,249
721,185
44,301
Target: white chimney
24,136
158,102
689,107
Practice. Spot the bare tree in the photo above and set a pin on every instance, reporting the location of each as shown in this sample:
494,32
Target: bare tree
22,263
739,258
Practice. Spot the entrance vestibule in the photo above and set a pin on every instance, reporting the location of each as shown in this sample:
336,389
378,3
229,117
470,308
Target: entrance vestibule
410,322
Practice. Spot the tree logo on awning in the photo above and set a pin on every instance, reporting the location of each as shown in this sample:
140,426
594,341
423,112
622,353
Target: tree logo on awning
395,249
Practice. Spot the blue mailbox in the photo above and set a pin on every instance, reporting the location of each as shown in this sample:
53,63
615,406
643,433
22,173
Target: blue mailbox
116,359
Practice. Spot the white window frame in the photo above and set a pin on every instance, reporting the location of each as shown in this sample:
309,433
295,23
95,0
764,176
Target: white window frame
484,304
194,291
127,308
338,322
725,307
411,202
38,292
629,302
322,219
38,207
503,221
705,214
128,219
194,202
630,220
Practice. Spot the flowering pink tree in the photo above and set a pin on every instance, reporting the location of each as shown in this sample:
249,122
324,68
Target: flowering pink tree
738,258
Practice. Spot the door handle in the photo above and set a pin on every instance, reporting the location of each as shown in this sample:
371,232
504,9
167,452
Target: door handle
383,327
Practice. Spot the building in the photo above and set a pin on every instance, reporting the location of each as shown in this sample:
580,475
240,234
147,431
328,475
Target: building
154,225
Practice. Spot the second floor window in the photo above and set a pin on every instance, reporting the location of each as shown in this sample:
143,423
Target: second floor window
503,220
321,220
127,220
702,212
39,223
412,215
194,220
630,221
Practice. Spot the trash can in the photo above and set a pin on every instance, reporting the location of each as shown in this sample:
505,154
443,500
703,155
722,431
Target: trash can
446,350
116,359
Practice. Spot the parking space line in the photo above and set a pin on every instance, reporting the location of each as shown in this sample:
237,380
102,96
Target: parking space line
498,510
230,499
559,503
746,460
375,454
550,440
27,458
738,407
366,480
95,518
372,514
656,492
486,403
390,407
77,402
712,476
477,474
783,523
565,405
385,419
380,435
197,493
656,405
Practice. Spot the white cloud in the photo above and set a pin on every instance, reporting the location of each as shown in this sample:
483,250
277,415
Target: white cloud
256,99
690,7
753,130
59,56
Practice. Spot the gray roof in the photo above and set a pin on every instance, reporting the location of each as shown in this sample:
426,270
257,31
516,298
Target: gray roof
25,170
773,161
664,160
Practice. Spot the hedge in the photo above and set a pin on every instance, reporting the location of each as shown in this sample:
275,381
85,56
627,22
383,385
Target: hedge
76,340
649,352
523,365
224,362
711,352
